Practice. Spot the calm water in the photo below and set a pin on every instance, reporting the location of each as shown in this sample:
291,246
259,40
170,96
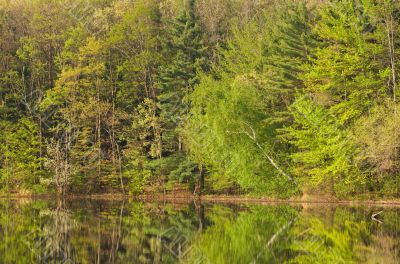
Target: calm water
83,231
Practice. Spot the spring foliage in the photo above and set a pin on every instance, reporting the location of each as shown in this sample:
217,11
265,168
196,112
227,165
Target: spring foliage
267,97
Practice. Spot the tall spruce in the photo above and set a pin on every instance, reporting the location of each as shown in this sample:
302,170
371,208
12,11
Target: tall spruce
344,79
184,47
185,53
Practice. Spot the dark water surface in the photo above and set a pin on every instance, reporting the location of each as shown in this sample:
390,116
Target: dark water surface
97,231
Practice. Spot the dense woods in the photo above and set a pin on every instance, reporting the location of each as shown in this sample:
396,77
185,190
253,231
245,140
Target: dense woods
271,97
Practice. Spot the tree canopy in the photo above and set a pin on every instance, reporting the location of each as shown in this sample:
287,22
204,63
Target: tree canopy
270,97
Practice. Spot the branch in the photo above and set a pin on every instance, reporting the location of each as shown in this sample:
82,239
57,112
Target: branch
252,136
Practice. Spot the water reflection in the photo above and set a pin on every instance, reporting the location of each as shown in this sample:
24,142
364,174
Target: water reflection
94,231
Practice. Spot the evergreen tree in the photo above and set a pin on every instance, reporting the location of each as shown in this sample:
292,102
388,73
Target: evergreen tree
325,150
22,167
178,77
185,55
286,50
345,79
346,74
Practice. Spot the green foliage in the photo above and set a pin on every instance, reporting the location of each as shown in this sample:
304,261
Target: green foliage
21,164
187,172
236,113
136,171
129,96
346,71
247,237
377,135
322,244
226,131
325,149
46,231
185,52
348,75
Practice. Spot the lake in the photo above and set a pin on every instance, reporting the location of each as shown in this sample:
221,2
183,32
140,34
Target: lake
127,231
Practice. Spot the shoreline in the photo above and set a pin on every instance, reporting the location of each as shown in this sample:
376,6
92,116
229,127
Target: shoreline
227,199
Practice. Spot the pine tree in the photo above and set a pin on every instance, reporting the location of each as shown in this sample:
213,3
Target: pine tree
346,74
185,55
178,77
344,80
325,150
287,48
21,166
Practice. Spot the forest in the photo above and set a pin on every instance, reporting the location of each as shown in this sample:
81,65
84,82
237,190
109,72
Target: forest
266,98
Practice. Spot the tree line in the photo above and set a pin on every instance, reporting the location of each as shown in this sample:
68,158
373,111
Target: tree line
254,97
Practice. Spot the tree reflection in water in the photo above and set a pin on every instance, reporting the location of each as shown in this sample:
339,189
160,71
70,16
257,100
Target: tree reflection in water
98,231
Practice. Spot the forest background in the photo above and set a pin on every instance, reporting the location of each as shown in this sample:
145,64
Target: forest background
266,98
